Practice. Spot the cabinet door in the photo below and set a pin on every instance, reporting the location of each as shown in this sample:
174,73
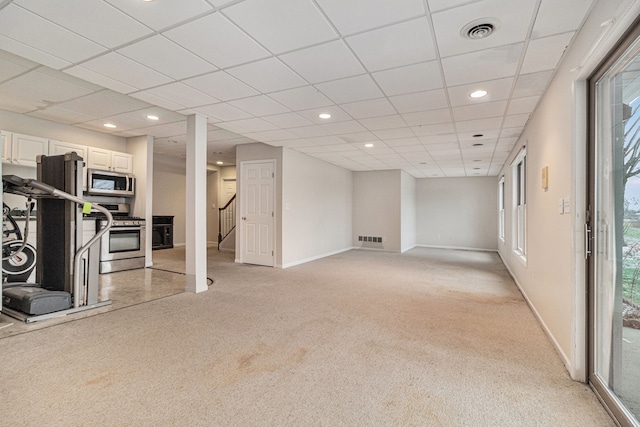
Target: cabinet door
97,158
6,146
122,162
25,149
59,147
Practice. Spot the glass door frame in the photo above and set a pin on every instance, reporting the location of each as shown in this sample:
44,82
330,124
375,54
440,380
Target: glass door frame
619,412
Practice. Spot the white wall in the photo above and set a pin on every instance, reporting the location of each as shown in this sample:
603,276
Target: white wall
552,277
170,186
457,212
317,208
376,209
408,211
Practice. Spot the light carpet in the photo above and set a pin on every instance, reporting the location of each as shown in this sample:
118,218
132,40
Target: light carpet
426,338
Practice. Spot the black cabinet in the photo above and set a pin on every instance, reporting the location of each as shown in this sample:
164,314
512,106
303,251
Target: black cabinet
162,232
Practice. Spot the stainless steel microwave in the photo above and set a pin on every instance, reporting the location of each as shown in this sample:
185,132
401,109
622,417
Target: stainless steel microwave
109,183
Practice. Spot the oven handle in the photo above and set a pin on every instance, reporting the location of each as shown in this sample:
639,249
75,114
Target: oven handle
127,228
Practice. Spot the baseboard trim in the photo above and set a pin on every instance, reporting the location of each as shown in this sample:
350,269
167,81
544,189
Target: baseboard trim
314,258
457,248
565,360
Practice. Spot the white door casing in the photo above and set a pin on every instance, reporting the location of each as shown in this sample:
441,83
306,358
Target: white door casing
257,213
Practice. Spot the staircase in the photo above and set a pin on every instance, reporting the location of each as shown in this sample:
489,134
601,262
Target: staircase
226,220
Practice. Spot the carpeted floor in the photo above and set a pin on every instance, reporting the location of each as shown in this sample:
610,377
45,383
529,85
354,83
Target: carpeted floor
426,338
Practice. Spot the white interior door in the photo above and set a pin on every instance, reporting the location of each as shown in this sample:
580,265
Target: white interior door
257,214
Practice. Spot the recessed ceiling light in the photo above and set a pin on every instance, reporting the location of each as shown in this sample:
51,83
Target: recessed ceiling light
369,145
109,125
478,135
478,144
219,163
152,117
324,116
478,93
148,1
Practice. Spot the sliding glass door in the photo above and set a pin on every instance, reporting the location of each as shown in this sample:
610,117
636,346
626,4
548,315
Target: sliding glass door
613,233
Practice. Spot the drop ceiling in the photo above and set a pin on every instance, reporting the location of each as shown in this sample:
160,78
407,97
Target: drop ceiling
395,75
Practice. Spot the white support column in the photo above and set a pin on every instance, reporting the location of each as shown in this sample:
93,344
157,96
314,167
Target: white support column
196,204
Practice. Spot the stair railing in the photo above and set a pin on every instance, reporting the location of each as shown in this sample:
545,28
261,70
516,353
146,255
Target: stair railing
226,219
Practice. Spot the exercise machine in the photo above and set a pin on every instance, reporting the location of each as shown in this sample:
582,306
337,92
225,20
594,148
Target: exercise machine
66,270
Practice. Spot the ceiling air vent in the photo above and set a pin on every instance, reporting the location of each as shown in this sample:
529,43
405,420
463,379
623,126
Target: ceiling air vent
480,28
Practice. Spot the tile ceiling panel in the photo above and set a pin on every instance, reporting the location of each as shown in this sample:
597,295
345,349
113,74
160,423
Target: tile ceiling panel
412,78
269,75
154,51
511,20
271,22
162,14
94,19
389,47
221,86
352,89
329,61
354,16
395,73
217,40
39,34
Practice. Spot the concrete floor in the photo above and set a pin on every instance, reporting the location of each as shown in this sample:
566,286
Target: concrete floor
124,289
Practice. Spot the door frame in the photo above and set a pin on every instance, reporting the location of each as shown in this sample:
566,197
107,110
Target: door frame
240,211
620,413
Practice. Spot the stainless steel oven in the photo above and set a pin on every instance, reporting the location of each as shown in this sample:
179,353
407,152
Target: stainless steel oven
123,247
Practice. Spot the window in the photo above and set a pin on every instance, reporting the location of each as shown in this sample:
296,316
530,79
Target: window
519,172
501,208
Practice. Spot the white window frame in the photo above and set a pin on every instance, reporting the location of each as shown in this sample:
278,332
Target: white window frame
519,174
501,206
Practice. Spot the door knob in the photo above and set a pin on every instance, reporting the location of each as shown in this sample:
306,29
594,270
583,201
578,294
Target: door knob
244,218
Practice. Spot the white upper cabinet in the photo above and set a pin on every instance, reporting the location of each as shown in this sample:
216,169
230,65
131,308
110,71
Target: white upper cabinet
98,158
25,149
59,147
6,146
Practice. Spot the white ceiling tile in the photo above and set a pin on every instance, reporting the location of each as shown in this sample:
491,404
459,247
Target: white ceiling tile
223,112
260,105
157,100
411,78
438,5
268,75
358,137
61,115
103,104
94,19
13,65
281,25
100,79
326,140
161,14
387,122
431,117
37,55
497,90
420,101
154,51
511,132
490,64
182,94
221,86
328,61
394,46
217,40
302,98
480,111
124,70
555,17
288,120
271,135
544,54
407,148
251,125
513,19
439,139
351,89
344,127
371,108
532,84
354,16
40,35
308,131
484,135
397,133
516,121
523,105
401,142
339,148
479,125
445,146
439,129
